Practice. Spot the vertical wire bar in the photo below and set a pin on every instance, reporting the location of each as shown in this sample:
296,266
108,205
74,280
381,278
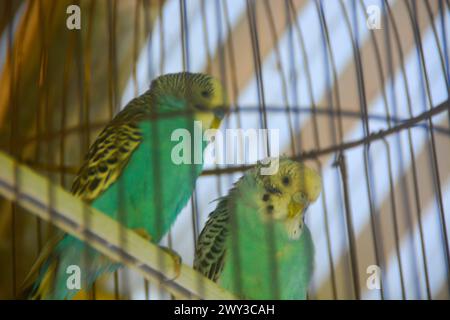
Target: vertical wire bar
112,106
87,62
161,36
394,216
162,66
327,57
84,123
365,122
15,66
315,132
208,70
113,103
342,164
280,69
81,86
41,87
403,182
65,85
14,112
48,110
222,68
112,63
155,127
379,63
313,105
80,94
83,61
401,166
381,78
186,67
410,145
435,168
233,68
444,42
387,146
157,178
41,104
136,34
149,32
438,45
223,74
368,167
293,70
234,107
233,222
252,18
205,35
257,65
184,35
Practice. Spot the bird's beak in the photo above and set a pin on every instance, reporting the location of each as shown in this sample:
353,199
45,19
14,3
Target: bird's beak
297,205
219,114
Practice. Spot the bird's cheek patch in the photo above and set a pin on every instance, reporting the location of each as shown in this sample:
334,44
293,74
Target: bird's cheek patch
294,228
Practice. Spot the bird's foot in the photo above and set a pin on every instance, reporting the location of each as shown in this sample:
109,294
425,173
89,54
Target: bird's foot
175,256
176,260
143,233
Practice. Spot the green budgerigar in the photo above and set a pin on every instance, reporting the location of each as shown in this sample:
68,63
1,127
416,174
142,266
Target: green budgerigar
130,174
255,242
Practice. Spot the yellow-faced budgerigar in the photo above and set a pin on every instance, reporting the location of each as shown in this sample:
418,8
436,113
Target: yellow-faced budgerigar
130,174
255,242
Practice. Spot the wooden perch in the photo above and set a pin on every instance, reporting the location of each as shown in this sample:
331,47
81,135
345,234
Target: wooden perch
50,202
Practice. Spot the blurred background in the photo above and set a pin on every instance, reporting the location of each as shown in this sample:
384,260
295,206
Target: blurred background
358,89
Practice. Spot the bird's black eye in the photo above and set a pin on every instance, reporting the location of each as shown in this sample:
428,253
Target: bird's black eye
286,180
206,94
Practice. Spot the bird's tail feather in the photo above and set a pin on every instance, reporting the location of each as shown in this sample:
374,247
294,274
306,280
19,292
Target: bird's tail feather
38,283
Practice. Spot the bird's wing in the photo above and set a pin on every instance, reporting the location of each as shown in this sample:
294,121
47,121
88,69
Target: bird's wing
211,248
108,155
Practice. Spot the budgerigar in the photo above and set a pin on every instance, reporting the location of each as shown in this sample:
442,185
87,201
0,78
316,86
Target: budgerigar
255,242
130,174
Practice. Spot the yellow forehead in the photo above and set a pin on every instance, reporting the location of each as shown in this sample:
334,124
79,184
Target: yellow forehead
219,97
302,178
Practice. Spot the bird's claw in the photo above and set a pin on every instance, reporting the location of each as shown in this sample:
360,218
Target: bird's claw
143,233
176,260
175,256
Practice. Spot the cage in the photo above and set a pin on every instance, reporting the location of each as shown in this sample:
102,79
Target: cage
357,89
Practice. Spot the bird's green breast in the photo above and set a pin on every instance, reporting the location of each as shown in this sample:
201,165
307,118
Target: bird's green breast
152,189
260,266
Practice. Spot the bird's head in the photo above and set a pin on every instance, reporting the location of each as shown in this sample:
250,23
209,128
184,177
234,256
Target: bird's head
288,193
200,93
